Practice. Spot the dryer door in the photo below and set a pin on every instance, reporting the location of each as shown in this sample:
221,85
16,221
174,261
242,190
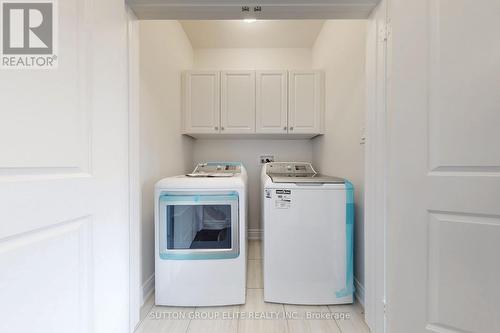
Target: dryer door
193,227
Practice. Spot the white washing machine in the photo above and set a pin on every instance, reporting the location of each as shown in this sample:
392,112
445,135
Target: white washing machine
200,236
308,235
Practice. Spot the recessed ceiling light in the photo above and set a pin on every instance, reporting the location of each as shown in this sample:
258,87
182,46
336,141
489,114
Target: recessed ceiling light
250,20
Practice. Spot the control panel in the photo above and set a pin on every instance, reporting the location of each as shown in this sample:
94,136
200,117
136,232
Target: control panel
290,168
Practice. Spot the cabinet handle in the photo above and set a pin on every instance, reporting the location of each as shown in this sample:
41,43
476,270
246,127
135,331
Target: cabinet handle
222,128
284,128
216,128
291,128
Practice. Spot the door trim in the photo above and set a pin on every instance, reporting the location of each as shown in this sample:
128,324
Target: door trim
135,194
375,168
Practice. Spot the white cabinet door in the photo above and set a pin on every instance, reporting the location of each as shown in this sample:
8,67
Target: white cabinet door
305,106
64,222
271,102
238,102
201,101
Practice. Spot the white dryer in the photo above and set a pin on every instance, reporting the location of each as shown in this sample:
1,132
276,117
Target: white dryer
200,236
308,235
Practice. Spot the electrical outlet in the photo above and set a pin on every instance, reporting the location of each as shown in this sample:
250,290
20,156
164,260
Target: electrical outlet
266,159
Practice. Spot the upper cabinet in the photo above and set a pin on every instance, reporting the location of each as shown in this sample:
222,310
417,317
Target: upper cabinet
258,103
305,107
237,109
272,101
201,105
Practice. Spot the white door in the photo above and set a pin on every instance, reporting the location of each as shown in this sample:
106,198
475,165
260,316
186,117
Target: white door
201,91
443,228
271,102
63,180
305,106
238,102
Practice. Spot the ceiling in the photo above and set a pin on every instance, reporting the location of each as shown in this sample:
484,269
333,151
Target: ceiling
259,34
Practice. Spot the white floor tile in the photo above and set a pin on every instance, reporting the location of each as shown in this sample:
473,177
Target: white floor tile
254,274
254,251
148,305
215,320
166,319
311,319
354,323
255,305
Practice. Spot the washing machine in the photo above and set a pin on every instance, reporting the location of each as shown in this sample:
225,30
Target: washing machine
200,236
308,221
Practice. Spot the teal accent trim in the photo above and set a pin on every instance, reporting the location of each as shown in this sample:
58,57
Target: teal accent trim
199,256
172,198
349,227
349,190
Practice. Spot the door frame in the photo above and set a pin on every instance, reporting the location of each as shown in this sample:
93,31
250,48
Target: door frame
376,156
135,193
375,169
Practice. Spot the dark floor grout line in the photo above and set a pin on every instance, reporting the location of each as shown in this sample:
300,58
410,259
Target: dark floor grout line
286,320
195,308
187,327
338,326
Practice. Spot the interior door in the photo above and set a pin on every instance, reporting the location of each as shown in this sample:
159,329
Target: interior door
238,102
305,106
443,227
271,101
201,101
63,180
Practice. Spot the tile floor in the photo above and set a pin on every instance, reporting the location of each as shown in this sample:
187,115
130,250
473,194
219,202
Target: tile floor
335,319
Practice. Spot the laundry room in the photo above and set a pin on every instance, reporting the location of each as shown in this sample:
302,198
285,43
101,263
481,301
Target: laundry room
235,166
250,91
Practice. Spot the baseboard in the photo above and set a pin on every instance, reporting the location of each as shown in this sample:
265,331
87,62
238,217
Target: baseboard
360,292
148,288
254,234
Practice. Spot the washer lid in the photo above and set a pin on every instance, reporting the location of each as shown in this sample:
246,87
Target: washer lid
305,178
298,172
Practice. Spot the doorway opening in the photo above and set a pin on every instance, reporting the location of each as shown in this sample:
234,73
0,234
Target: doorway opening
352,55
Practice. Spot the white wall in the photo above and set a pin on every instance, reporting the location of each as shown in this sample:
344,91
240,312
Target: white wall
340,51
248,151
263,58
165,51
